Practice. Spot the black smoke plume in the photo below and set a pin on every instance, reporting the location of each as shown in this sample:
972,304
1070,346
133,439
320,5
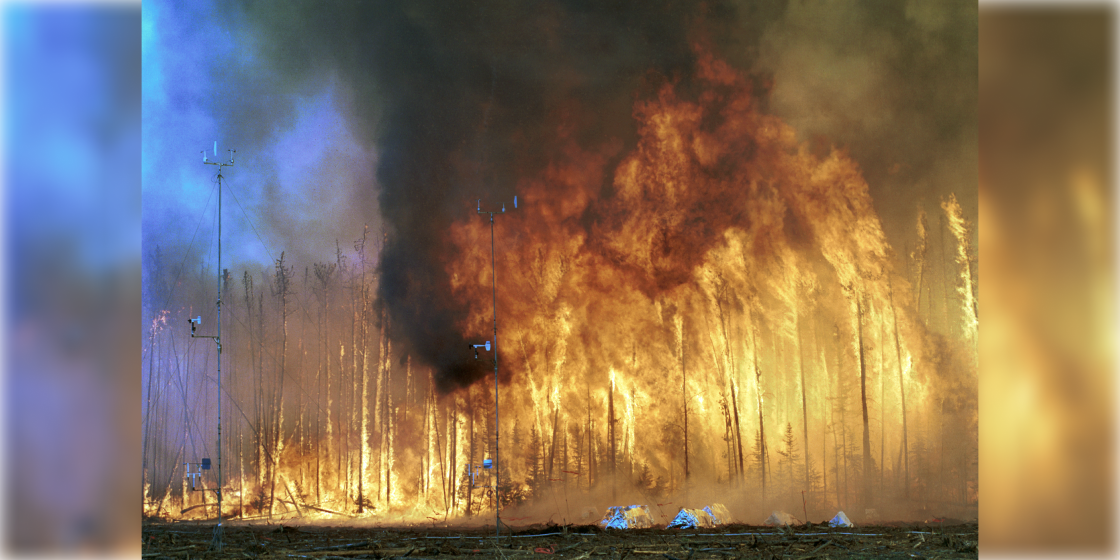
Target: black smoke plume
460,100
454,98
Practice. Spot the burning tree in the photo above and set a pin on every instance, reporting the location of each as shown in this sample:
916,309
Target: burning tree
666,304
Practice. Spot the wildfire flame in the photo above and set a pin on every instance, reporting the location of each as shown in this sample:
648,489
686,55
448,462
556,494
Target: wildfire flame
718,289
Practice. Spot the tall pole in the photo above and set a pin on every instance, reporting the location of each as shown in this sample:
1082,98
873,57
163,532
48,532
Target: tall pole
219,486
497,428
217,542
218,536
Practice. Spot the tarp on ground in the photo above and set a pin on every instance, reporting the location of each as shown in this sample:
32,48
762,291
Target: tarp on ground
720,513
840,520
627,517
779,518
688,518
708,516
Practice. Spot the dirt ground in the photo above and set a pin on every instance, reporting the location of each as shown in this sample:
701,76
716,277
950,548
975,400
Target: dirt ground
185,540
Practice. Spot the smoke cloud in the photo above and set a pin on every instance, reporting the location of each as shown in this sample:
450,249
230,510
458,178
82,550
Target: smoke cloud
893,83
462,102
443,104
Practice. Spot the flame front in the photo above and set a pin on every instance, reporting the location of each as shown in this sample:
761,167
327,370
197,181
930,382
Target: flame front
713,315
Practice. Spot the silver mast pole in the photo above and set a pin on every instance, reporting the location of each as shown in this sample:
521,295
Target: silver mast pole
217,542
497,426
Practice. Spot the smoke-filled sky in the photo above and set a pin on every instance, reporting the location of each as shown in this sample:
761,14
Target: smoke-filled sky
399,115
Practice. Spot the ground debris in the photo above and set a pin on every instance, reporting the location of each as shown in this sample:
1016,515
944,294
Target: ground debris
259,541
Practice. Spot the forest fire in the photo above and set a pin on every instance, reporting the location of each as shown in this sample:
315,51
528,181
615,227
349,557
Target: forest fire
713,314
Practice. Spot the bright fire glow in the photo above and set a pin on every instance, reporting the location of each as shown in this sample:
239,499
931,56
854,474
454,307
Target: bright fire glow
726,277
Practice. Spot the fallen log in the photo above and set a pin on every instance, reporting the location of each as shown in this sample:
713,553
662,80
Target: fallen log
378,552
170,551
340,546
324,510
196,506
290,496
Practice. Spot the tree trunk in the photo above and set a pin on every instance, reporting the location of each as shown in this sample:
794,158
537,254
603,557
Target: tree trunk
282,279
736,432
611,436
552,446
867,467
148,415
301,404
387,421
684,401
470,447
363,394
247,282
882,404
920,255
590,451
264,424
453,452
354,484
946,275
442,462
319,443
804,399
732,375
762,457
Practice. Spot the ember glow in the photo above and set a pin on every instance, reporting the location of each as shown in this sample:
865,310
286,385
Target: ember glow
707,309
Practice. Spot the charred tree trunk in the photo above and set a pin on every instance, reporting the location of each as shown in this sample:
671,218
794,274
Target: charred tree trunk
470,447
324,274
920,255
319,444
453,452
240,470
247,283
362,304
902,395
762,457
552,443
732,374
282,286
867,467
579,454
590,451
882,403
429,429
824,464
264,423
804,398
728,436
736,432
946,276
380,426
439,451
610,431
387,413
301,403
342,447
684,402
335,425
144,481
354,483
564,460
